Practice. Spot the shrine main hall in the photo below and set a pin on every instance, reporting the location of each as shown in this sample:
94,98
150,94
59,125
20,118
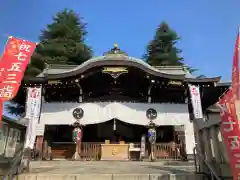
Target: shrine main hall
115,93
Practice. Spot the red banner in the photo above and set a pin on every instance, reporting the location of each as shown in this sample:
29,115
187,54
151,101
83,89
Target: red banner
13,65
230,131
235,69
1,112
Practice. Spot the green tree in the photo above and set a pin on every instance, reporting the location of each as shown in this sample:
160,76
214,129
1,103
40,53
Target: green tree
61,42
162,49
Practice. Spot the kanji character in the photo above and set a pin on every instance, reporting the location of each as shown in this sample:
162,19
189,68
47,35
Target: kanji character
15,67
1,71
6,91
195,91
238,176
35,94
234,142
237,161
25,47
21,56
223,108
11,78
230,123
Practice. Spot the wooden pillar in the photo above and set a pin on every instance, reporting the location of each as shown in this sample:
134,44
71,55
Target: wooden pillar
47,145
80,91
181,136
39,147
149,91
200,150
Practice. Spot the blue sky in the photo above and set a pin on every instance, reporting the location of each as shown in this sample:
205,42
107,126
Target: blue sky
208,27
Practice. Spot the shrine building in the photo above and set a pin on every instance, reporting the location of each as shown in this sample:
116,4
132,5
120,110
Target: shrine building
115,92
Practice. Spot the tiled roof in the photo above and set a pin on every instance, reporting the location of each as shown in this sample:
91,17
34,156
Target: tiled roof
57,68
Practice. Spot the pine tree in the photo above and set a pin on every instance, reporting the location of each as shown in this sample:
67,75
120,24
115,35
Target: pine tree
62,42
162,49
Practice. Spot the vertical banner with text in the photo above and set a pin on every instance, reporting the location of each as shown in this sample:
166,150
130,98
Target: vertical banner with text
235,69
196,101
230,131
33,110
13,64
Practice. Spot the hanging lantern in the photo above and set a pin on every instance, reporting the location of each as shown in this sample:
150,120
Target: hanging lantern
76,133
152,134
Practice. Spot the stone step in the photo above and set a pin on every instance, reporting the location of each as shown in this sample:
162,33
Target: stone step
186,176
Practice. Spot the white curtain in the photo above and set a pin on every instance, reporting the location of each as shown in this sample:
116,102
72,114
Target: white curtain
133,113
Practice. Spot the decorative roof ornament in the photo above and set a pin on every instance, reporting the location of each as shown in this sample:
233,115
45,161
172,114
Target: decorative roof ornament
115,51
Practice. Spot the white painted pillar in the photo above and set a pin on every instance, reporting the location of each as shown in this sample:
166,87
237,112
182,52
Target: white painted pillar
189,139
149,93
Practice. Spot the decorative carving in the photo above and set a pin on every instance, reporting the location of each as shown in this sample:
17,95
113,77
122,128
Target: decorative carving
178,83
114,151
115,72
115,51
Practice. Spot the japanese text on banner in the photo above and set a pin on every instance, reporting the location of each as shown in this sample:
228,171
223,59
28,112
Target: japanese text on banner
196,101
13,65
231,132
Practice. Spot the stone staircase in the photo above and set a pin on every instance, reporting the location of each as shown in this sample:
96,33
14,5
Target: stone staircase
111,170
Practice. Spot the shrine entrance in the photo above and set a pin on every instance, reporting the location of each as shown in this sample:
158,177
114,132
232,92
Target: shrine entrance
60,141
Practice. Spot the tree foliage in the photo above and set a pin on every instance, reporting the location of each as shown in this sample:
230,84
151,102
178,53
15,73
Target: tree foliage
61,42
162,49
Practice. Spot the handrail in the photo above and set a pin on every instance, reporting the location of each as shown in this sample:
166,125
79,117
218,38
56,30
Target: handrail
14,164
209,166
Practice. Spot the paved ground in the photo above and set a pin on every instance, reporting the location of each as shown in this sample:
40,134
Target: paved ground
109,167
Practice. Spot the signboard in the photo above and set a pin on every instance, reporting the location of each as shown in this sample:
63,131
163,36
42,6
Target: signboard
196,101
